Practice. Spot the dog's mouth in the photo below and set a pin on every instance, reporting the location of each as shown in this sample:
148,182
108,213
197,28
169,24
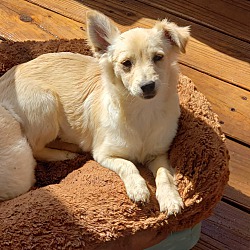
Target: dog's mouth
149,95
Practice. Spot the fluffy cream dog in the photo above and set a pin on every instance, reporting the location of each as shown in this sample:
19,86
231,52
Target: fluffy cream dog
122,104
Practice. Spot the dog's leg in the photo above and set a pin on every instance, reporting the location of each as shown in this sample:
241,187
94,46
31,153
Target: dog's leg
49,154
166,191
134,183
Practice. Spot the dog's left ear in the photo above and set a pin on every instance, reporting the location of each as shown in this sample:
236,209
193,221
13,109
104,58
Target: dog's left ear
178,36
101,32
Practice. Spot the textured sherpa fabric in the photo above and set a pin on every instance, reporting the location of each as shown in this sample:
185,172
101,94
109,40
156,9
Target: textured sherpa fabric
78,204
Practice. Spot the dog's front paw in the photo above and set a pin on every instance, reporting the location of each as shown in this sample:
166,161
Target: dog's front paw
169,200
136,188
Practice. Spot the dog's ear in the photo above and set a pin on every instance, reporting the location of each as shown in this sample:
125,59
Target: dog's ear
178,36
101,32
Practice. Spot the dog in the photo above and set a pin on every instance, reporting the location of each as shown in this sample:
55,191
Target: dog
122,104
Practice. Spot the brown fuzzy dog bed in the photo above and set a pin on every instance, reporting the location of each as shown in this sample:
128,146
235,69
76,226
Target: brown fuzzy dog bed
78,204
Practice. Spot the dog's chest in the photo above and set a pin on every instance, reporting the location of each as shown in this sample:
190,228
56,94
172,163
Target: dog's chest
138,131
152,139
144,135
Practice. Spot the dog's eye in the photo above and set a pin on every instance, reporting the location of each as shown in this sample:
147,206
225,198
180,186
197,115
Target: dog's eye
127,63
157,58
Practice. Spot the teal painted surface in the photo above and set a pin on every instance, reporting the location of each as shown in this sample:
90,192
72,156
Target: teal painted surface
183,240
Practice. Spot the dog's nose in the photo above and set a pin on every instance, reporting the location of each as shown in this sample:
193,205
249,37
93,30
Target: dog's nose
148,88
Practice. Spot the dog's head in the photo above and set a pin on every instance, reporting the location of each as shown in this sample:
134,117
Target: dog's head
139,60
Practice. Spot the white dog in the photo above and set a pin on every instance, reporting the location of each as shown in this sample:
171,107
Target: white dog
122,104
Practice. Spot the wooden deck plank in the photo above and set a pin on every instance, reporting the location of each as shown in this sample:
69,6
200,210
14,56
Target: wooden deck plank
221,15
238,189
232,229
38,23
239,167
233,109
16,30
74,10
210,51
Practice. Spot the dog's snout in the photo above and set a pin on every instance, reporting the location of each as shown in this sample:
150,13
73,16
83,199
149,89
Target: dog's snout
148,88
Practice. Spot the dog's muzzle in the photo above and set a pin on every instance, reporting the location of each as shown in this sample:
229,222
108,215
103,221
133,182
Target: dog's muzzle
148,90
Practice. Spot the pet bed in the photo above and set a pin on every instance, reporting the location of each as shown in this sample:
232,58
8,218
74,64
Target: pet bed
78,204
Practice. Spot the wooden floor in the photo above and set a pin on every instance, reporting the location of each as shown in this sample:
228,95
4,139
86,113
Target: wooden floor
217,60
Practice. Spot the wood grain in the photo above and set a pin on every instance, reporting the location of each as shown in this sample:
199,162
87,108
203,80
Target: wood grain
209,51
25,21
232,104
221,15
228,228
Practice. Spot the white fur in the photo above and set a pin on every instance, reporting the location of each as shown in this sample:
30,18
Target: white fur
98,103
